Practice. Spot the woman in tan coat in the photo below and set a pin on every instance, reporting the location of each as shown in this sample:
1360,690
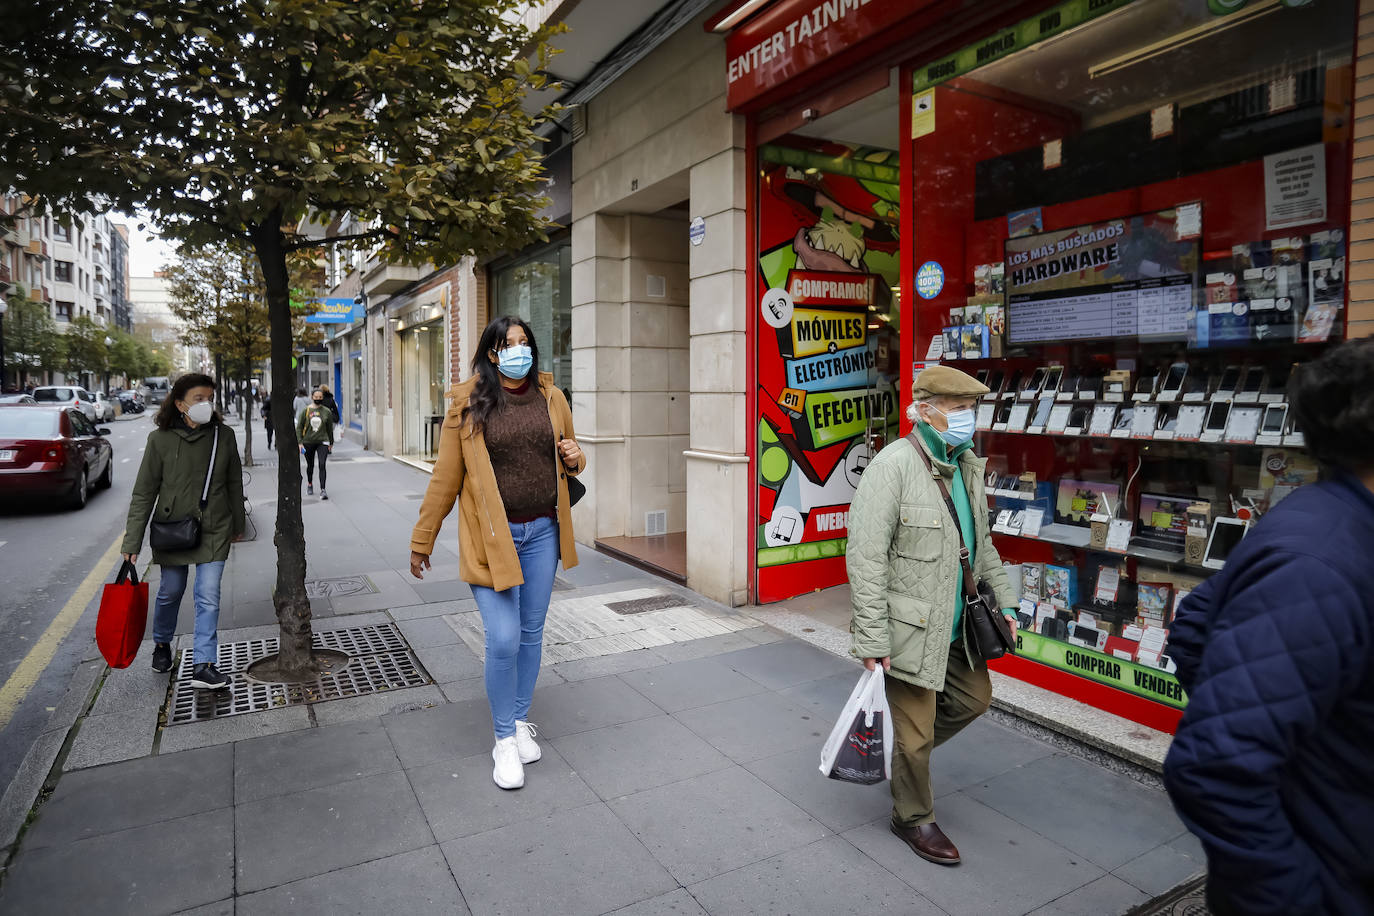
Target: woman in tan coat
505,453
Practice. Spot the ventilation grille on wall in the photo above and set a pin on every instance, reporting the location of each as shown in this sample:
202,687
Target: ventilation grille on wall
656,523
655,286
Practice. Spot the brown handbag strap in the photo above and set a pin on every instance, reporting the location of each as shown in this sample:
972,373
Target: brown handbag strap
970,585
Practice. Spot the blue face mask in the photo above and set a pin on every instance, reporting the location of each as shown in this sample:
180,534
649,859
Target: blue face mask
961,425
515,361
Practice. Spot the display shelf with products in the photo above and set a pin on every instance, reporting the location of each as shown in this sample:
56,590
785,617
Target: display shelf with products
1146,253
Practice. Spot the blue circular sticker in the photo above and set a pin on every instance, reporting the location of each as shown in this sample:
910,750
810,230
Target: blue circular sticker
930,279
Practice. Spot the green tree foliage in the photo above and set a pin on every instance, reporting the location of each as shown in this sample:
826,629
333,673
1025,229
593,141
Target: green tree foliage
33,345
235,121
85,348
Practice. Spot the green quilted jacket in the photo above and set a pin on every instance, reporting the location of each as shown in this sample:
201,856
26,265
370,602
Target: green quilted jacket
903,562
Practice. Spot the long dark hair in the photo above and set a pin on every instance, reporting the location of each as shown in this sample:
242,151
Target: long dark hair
489,395
167,414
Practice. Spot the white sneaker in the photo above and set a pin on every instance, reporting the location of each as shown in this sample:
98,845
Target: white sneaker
525,733
509,772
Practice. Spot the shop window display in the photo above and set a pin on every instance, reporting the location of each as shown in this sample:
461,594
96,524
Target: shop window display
1139,227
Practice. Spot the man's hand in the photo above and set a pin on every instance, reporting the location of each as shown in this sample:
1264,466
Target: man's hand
418,563
870,663
131,557
1012,621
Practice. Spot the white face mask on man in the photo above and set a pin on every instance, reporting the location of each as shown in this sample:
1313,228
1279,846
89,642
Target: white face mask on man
960,425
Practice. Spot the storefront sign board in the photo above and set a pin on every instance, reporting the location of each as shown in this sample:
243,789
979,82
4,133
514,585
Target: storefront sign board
1022,35
336,311
1141,680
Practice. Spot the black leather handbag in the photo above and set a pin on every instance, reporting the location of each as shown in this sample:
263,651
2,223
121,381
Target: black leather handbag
987,634
178,534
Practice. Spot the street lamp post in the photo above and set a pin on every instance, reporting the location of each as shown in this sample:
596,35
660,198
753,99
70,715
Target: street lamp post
108,343
4,307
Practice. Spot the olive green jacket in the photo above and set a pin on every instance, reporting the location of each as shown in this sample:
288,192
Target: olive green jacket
903,561
305,435
169,484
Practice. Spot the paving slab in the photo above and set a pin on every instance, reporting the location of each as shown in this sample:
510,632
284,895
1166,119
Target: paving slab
710,824
27,783
582,862
218,908
134,793
110,738
416,883
312,757
1101,815
232,728
691,683
826,695
1106,895
288,837
674,903
1160,870
78,695
428,631
159,868
452,662
1007,869
582,669
449,590
449,732
828,876
709,645
460,799
758,726
465,690
841,806
634,756
785,664
137,688
981,751
566,709
371,705
431,609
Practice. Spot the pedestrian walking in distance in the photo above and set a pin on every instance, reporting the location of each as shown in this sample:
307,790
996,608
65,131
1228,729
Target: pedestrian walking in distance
190,440
905,582
266,411
315,432
1270,767
301,402
505,453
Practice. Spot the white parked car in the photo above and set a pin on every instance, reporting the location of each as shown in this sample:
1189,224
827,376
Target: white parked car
104,407
67,396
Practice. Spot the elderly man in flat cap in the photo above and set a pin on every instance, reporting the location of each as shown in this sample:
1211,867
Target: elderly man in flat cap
906,586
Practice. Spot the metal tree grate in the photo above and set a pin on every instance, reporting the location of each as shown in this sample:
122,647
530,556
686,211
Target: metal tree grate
339,587
651,603
380,660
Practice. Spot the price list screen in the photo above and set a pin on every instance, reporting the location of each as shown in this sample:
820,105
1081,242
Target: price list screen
1155,308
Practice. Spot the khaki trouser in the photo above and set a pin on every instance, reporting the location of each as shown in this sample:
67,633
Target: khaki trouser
923,719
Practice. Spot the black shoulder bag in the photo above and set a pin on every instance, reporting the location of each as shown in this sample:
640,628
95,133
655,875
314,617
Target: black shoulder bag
986,631
181,534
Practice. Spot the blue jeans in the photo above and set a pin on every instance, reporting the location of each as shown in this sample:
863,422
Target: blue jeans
514,623
169,592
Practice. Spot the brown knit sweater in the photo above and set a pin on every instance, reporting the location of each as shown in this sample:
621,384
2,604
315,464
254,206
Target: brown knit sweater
520,441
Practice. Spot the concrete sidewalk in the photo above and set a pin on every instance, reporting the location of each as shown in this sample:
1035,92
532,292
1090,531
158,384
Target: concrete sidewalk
679,772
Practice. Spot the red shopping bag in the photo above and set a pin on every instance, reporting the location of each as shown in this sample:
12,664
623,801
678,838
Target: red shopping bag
122,618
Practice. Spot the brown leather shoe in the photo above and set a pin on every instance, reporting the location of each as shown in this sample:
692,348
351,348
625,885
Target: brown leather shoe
930,843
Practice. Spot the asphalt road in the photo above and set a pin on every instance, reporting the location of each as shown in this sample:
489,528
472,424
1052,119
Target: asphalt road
45,554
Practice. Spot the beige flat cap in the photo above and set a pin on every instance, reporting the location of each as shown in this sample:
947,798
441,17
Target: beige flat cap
945,381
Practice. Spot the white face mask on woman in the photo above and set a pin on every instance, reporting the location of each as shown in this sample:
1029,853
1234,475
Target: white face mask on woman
201,413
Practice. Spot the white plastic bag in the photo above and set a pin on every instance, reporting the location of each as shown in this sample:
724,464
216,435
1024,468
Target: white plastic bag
859,748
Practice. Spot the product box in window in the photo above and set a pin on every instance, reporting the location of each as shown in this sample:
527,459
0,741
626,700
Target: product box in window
1031,576
1061,585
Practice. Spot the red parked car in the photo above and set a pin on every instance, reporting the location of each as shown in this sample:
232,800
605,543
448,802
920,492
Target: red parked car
52,454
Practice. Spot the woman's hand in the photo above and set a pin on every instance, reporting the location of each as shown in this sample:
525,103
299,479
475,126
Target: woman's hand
131,557
570,452
418,563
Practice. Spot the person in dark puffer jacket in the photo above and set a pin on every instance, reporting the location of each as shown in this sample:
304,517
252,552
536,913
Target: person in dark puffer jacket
1272,763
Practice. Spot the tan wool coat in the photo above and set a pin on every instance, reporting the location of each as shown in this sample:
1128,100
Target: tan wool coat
464,474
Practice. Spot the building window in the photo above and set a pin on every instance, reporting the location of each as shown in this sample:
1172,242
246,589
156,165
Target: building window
61,232
537,289
62,271
64,311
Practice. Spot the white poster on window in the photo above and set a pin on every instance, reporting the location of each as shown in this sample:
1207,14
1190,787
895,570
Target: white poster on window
1295,187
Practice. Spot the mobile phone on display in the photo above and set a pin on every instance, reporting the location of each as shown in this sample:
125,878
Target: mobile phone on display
1254,380
1145,384
1014,381
1068,385
1053,378
1003,413
1216,417
1173,380
1033,384
994,383
1275,416
982,376
1229,379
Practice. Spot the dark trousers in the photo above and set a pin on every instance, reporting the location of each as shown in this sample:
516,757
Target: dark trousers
267,424
923,719
311,449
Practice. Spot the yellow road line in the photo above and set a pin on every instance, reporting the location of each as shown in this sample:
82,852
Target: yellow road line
41,655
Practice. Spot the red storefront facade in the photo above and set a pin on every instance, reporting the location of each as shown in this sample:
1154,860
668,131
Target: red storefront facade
1124,197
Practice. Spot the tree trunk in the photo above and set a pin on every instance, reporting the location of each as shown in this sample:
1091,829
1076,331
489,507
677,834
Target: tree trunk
219,382
248,416
295,661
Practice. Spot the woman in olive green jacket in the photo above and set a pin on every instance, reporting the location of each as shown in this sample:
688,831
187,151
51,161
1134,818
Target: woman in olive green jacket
170,483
